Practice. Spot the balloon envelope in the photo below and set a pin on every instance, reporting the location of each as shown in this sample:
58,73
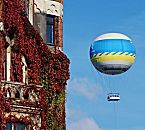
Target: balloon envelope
112,53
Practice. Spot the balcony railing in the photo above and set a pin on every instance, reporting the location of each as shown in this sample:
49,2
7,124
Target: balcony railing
23,98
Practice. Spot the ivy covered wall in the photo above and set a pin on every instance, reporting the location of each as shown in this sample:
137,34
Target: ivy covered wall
46,68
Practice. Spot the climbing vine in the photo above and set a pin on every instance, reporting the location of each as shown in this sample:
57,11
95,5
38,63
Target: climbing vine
46,68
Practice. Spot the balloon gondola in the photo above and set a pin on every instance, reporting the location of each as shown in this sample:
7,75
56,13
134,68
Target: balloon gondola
113,97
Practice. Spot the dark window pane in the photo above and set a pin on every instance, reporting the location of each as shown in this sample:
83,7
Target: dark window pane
20,126
49,19
17,94
49,30
9,126
49,33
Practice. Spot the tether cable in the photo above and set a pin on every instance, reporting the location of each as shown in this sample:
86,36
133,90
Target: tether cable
115,117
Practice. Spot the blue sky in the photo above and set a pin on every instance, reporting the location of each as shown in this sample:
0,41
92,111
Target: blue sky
86,105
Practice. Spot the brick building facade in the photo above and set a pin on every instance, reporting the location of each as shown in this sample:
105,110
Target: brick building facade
33,68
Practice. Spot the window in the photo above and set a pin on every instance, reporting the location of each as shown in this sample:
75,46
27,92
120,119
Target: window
26,94
25,7
5,68
7,64
17,94
20,126
8,93
16,126
9,126
50,30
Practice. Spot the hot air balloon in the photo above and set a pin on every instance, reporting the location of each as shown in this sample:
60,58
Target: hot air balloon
112,53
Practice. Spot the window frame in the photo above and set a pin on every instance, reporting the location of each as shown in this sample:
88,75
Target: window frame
50,32
7,64
24,70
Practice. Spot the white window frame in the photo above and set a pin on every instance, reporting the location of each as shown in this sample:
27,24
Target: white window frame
7,64
24,70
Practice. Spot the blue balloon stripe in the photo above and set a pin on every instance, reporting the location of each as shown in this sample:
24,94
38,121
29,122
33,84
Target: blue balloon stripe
113,45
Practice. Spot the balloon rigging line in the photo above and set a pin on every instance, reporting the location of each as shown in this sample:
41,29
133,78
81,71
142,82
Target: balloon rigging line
115,117
94,73
109,84
103,79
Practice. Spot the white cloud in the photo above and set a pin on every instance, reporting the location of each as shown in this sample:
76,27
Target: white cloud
85,87
74,115
84,124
